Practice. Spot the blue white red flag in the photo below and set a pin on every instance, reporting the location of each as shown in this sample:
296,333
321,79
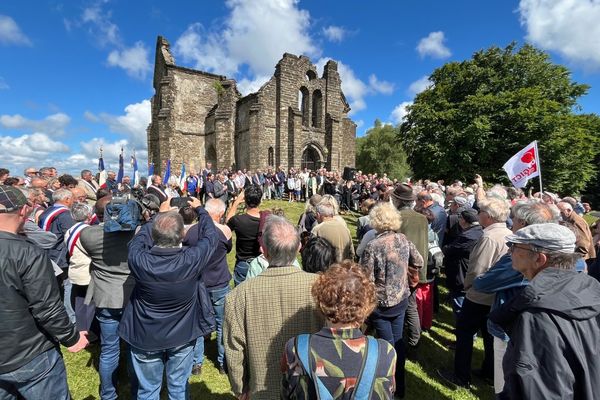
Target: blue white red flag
167,172
182,179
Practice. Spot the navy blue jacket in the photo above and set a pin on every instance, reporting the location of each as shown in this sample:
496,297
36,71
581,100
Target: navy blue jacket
506,282
456,257
60,225
169,306
439,223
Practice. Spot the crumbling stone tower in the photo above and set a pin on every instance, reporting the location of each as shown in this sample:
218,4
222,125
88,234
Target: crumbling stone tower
296,119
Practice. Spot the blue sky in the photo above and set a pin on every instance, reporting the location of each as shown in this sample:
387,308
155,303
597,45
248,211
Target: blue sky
78,74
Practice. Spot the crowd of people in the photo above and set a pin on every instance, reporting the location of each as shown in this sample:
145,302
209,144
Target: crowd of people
142,268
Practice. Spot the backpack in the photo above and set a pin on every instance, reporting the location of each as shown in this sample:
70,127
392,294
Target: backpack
121,214
435,258
366,378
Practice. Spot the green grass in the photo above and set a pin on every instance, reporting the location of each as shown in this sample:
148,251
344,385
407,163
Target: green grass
421,379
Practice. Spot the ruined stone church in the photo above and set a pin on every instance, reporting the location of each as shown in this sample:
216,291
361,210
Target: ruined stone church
296,119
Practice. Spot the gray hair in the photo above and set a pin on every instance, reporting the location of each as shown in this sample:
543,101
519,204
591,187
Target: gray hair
81,211
84,172
281,241
558,260
496,208
326,209
499,191
534,212
62,195
167,229
401,204
327,198
215,206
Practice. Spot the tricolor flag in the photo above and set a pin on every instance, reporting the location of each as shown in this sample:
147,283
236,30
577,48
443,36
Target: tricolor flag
136,174
182,179
102,179
121,171
167,172
150,169
523,166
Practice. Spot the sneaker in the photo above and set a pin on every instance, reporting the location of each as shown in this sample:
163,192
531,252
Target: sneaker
450,378
197,369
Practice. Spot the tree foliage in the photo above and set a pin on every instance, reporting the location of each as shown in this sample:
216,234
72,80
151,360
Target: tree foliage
380,151
480,112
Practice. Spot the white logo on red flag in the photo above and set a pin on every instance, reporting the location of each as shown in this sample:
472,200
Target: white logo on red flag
523,165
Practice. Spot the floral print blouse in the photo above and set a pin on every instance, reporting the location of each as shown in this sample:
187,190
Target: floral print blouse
386,259
337,355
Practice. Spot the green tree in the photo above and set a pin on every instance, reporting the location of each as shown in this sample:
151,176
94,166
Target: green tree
380,151
480,112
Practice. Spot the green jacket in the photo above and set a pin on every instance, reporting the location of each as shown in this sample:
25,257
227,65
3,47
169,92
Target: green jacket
414,227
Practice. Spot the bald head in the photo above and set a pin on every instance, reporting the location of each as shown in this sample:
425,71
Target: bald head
39,183
280,241
79,195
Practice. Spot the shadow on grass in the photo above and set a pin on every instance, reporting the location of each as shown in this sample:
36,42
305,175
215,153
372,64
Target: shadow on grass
199,390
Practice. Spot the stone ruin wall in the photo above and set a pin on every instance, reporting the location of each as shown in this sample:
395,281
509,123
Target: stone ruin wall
199,117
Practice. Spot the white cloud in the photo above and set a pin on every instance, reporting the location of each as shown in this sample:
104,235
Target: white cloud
247,86
98,22
255,33
400,112
433,45
133,123
3,84
30,149
569,27
378,86
419,85
10,33
134,60
354,88
335,33
100,25
359,124
110,153
54,124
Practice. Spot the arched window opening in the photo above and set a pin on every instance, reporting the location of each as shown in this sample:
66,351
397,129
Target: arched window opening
317,109
303,98
271,157
310,75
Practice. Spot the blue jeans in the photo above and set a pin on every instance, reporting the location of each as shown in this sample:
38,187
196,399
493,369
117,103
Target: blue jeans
390,329
240,271
44,377
217,298
149,367
108,319
68,287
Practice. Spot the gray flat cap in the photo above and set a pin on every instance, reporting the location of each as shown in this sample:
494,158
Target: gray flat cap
552,237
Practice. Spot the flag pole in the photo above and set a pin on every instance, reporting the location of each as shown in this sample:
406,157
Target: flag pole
539,161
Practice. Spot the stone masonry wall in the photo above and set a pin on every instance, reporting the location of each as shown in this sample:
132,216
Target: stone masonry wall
197,116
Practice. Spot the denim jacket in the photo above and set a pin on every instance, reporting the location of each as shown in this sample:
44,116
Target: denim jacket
506,282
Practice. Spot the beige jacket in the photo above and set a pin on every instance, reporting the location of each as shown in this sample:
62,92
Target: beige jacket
490,247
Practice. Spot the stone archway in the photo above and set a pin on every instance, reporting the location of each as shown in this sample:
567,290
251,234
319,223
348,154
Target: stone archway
311,158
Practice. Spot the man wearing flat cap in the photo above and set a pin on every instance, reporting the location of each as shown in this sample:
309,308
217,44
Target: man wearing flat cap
554,323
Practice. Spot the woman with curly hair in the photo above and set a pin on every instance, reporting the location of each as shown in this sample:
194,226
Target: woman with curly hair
339,361
386,261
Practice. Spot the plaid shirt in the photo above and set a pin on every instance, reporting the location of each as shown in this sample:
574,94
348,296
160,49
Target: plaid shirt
261,315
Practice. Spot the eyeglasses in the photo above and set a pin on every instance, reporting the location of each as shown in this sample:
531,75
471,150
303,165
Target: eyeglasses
513,246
